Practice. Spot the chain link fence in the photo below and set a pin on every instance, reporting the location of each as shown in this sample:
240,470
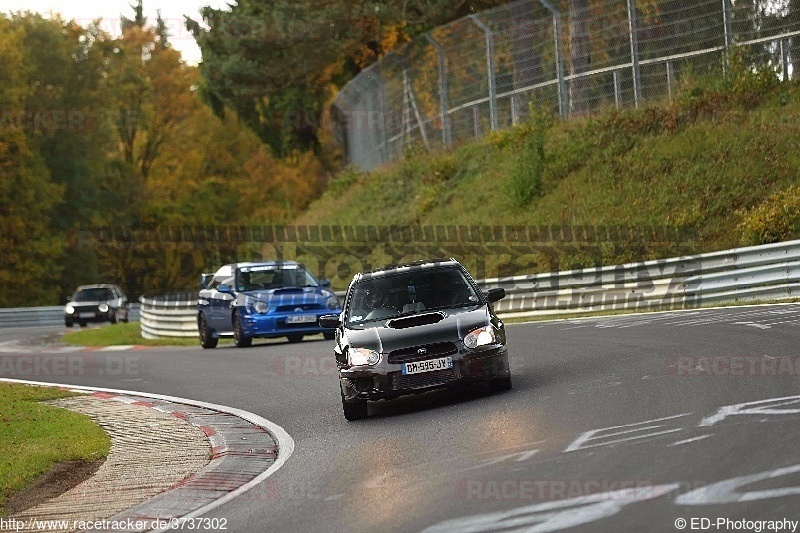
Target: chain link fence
481,73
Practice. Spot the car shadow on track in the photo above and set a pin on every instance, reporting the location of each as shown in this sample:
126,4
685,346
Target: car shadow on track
444,398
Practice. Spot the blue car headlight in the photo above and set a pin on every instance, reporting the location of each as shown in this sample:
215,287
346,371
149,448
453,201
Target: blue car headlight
333,302
260,307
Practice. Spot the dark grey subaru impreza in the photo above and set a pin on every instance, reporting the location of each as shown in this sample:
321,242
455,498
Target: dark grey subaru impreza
411,328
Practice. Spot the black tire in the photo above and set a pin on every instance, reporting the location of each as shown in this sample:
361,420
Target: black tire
113,317
329,335
83,323
207,339
294,339
68,323
500,384
239,338
127,317
355,409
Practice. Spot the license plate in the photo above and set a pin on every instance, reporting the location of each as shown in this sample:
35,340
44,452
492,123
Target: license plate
301,319
86,315
427,366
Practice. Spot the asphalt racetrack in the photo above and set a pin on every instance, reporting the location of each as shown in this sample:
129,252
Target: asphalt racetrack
636,423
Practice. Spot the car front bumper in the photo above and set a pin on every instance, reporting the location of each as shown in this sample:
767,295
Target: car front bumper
387,381
279,325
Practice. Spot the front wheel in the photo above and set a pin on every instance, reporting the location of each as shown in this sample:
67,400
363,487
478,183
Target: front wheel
113,317
329,335
207,339
239,338
68,323
294,338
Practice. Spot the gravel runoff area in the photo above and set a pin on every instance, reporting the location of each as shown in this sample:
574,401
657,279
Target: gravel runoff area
167,460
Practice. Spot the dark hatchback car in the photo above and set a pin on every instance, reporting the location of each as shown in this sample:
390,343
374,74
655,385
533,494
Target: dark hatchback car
96,303
268,299
412,328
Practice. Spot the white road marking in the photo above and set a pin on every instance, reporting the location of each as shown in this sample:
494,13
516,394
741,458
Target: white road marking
554,515
582,442
759,408
726,491
687,441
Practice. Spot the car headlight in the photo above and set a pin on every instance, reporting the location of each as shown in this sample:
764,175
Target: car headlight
69,310
480,337
260,307
103,308
333,302
362,357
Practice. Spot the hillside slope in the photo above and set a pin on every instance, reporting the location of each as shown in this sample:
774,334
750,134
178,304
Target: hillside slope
719,165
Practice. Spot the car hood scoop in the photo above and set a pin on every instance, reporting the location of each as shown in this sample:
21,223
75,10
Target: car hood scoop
415,320
289,290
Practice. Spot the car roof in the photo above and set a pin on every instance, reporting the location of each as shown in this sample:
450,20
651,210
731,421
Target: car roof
423,264
97,286
278,262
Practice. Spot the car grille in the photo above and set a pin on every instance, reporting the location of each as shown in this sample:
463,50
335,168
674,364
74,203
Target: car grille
90,308
291,308
408,355
425,379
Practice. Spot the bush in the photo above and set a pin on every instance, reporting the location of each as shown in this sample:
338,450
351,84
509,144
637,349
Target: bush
527,167
777,219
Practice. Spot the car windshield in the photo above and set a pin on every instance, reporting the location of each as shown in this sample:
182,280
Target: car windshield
255,278
93,295
409,293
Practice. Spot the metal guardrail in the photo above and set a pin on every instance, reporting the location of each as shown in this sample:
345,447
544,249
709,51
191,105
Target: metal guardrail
29,317
769,272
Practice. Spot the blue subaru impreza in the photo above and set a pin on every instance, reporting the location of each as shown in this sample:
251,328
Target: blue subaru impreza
269,299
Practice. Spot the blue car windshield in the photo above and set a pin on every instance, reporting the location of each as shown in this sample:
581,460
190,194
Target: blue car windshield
254,278
409,293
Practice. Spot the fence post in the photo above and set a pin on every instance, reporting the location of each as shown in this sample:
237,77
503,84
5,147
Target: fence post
785,59
637,72
410,102
563,97
727,18
384,116
490,70
670,79
446,137
617,90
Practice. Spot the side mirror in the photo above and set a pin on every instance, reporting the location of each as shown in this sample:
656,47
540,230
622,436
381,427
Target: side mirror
495,294
325,283
329,321
225,288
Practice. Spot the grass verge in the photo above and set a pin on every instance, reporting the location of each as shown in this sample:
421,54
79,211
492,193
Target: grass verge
35,437
122,335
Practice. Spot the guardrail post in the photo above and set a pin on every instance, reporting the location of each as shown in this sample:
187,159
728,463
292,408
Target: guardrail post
446,135
490,71
563,96
634,34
